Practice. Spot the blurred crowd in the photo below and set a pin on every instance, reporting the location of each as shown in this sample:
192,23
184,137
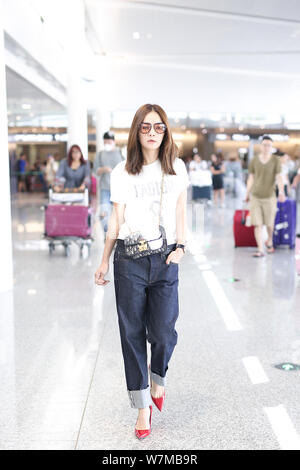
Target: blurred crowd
212,179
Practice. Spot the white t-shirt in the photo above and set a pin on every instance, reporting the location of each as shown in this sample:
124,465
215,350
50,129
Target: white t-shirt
141,194
194,166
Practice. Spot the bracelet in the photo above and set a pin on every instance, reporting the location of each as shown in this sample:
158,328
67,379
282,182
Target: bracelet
179,245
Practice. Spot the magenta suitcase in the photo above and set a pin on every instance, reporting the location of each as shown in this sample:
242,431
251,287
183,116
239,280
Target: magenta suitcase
297,253
94,184
62,220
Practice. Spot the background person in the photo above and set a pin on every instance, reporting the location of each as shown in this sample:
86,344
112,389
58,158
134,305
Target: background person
218,170
200,178
234,175
104,163
22,166
51,170
73,171
296,179
264,172
285,168
233,166
40,167
195,163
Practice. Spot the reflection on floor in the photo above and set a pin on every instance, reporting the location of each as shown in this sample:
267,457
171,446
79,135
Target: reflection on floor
63,384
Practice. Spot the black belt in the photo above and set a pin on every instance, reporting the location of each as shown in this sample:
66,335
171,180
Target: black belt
120,244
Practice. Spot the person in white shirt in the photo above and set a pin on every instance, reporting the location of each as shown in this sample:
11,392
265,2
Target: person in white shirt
195,164
146,288
200,179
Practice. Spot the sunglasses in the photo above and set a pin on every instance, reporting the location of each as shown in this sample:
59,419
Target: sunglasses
146,127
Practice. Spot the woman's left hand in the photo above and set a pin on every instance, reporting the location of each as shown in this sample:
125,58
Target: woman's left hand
81,187
175,256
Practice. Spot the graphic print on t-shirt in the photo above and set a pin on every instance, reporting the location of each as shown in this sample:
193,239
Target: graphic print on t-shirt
153,188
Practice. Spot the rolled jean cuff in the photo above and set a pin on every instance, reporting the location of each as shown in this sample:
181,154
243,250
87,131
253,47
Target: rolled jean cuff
158,379
140,398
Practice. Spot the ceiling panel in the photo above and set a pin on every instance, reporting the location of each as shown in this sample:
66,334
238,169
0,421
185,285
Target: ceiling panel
288,9
239,55
20,91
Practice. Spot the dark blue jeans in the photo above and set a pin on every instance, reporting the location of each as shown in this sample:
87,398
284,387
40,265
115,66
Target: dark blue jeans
147,304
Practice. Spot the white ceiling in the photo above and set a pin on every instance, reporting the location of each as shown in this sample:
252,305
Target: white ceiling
203,55
20,92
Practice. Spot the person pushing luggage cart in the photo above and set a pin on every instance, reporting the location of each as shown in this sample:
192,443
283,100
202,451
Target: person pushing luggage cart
64,221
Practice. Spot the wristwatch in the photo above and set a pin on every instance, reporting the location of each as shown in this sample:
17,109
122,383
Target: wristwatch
179,245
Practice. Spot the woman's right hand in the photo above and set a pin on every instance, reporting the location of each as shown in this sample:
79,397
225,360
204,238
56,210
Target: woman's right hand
100,273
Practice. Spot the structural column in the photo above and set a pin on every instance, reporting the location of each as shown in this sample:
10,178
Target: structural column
6,265
77,106
77,113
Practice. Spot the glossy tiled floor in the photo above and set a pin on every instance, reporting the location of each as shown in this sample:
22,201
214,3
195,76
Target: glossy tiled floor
62,376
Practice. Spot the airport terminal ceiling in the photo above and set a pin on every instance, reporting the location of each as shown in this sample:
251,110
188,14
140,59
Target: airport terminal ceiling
212,55
27,104
167,53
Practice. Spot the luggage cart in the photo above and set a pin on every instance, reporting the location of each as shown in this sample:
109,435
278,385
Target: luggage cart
69,197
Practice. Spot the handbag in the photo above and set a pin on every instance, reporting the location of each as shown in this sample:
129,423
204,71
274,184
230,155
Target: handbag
136,246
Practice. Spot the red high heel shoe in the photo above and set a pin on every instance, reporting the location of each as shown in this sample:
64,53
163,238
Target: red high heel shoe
141,433
158,402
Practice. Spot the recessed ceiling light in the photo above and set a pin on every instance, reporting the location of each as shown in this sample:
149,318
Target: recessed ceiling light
31,291
18,118
136,35
149,36
26,106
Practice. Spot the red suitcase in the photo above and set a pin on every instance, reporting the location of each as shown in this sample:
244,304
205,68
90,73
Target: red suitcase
297,253
63,220
243,236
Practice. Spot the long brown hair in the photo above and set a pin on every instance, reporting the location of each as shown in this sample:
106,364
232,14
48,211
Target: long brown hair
70,158
168,150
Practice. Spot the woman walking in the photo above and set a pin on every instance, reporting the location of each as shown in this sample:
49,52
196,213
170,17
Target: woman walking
148,225
217,168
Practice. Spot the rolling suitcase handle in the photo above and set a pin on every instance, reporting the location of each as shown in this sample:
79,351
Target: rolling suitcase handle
244,217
